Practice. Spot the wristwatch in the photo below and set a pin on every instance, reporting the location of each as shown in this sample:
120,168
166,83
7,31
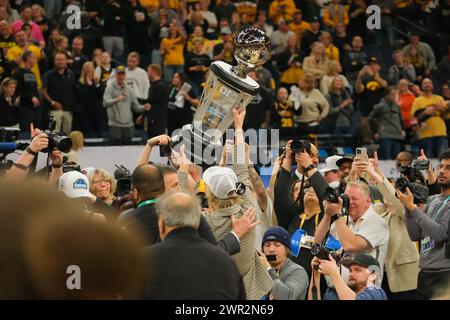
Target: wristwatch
310,167
30,151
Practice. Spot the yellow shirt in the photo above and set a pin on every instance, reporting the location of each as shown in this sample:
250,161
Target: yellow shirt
332,53
433,126
299,29
173,51
291,75
331,20
16,52
287,13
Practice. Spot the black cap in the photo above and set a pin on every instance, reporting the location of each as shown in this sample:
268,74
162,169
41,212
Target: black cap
315,19
361,259
347,157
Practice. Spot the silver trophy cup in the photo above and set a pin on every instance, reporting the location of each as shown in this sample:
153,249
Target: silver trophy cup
227,87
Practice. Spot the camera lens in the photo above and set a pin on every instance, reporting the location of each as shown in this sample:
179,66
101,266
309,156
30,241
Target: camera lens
315,248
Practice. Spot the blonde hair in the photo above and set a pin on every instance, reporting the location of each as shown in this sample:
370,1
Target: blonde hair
361,186
331,88
77,138
331,66
104,175
82,79
216,203
34,6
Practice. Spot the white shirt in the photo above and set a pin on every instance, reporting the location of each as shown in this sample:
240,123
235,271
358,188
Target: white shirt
137,80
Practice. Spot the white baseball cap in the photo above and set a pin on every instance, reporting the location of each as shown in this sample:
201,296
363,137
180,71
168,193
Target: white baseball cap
74,184
221,181
330,164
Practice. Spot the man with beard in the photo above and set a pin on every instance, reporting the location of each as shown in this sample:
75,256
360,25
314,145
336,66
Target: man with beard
430,227
364,270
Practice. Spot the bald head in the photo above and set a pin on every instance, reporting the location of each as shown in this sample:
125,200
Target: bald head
179,209
148,181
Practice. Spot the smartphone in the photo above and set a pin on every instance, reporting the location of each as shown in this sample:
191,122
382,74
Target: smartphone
361,153
271,257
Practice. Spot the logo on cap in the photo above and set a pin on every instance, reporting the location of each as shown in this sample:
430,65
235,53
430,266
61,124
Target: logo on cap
80,184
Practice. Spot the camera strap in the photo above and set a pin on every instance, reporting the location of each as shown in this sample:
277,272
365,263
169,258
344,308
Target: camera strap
438,214
303,217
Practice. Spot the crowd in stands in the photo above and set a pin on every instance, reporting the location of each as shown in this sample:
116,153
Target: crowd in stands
328,74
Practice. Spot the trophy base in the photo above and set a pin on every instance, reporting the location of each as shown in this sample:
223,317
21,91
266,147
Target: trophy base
199,148
225,73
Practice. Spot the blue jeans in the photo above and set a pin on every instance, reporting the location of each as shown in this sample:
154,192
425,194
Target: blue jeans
434,146
389,148
170,70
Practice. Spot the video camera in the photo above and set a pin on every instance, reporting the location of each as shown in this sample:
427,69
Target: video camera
9,143
123,177
329,246
332,196
419,191
55,141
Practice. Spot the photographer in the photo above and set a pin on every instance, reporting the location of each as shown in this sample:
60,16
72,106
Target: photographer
362,280
362,230
430,227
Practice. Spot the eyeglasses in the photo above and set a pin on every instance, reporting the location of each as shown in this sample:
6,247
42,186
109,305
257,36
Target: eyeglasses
101,180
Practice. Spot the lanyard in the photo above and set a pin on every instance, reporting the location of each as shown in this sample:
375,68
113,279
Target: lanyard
438,214
146,202
304,217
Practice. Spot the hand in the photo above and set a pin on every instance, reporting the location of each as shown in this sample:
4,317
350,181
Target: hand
226,151
238,117
184,163
120,98
263,259
315,262
303,159
430,110
422,155
34,131
159,140
247,153
57,106
39,142
347,102
147,107
264,125
332,208
241,226
57,157
140,119
35,101
329,267
407,199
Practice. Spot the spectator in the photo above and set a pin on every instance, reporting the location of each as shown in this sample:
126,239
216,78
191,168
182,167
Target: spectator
45,24
258,110
335,13
387,15
15,53
223,51
137,23
119,99
314,108
405,99
339,119
370,87
137,78
104,70
197,64
355,59
11,14
364,274
207,45
9,104
224,201
386,117
158,99
345,166
26,15
221,281
357,19
77,139
279,38
430,226
370,236
334,70
89,94
311,36
96,57
298,25
196,19
417,60
400,69
28,91
290,279
281,9
282,116
172,51
113,15
316,64
424,50
79,59
210,17
290,63
180,103
331,52
159,31
102,185
59,92
342,40
331,172
403,159
430,109
261,23
163,5
225,10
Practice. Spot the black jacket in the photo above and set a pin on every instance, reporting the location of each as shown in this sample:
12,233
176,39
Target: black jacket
113,19
186,267
145,220
9,114
26,86
158,97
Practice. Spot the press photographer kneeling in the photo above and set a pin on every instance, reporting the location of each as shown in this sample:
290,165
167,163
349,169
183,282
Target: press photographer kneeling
361,231
430,227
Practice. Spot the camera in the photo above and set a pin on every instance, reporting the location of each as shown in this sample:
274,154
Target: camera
320,251
332,196
420,192
165,150
55,141
299,146
9,144
123,178
70,166
420,164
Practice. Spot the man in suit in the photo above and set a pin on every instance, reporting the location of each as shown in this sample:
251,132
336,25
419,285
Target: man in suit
148,183
211,274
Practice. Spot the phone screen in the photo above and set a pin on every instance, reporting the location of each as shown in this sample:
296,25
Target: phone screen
271,257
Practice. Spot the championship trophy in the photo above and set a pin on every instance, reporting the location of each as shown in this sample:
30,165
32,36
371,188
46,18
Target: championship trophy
227,87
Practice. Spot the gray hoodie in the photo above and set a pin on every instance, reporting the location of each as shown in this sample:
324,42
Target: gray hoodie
290,283
119,113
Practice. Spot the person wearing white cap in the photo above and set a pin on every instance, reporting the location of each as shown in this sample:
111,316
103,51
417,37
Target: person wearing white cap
331,171
228,198
75,185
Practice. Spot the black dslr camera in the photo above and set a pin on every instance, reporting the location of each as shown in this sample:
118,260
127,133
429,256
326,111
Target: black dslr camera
419,191
297,146
332,196
55,141
318,250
